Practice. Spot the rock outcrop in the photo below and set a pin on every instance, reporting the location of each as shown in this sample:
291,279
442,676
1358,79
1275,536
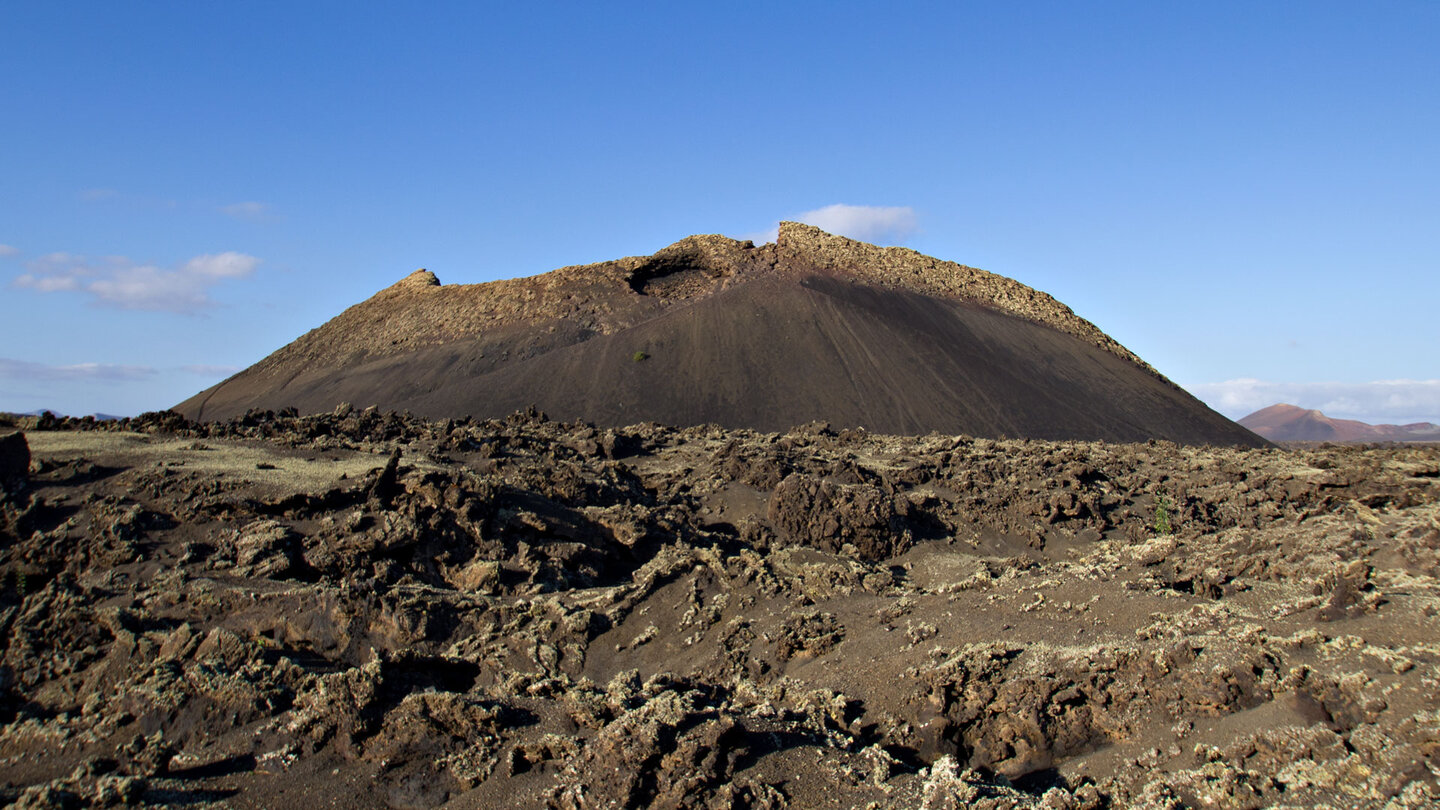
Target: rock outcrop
14,461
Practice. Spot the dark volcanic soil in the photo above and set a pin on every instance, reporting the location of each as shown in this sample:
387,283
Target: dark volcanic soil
368,610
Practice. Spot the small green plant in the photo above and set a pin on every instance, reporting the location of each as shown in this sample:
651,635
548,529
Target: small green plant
640,357
1162,515
20,583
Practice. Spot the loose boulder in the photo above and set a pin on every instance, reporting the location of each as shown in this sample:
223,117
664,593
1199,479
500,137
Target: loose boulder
14,462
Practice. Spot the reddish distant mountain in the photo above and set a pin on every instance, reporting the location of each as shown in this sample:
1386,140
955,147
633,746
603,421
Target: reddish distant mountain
1288,423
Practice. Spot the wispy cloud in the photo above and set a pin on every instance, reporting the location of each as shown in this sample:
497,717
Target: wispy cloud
210,371
7,250
1392,401
248,211
82,372
119,282
869,223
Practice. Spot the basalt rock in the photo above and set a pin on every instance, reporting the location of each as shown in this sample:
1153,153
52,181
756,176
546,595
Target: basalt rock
14,462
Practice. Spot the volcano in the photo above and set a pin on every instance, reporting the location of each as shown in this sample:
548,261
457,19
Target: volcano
1291,423
812,327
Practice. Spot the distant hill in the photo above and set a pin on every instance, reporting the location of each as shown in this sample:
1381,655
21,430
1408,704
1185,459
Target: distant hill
99,417
812,327
1290,423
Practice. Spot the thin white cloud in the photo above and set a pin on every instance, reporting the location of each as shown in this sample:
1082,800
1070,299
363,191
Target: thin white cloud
221,265
248,211
119,282
83,372
210,371
1381,401
761,237
8,250
869,223
47,283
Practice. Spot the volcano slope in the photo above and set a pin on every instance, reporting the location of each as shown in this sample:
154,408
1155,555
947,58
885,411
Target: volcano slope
711,330
369,610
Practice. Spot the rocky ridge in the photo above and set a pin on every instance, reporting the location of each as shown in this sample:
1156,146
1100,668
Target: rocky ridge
914,271
418,311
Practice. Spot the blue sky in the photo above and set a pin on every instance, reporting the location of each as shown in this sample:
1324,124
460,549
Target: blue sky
1245,194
